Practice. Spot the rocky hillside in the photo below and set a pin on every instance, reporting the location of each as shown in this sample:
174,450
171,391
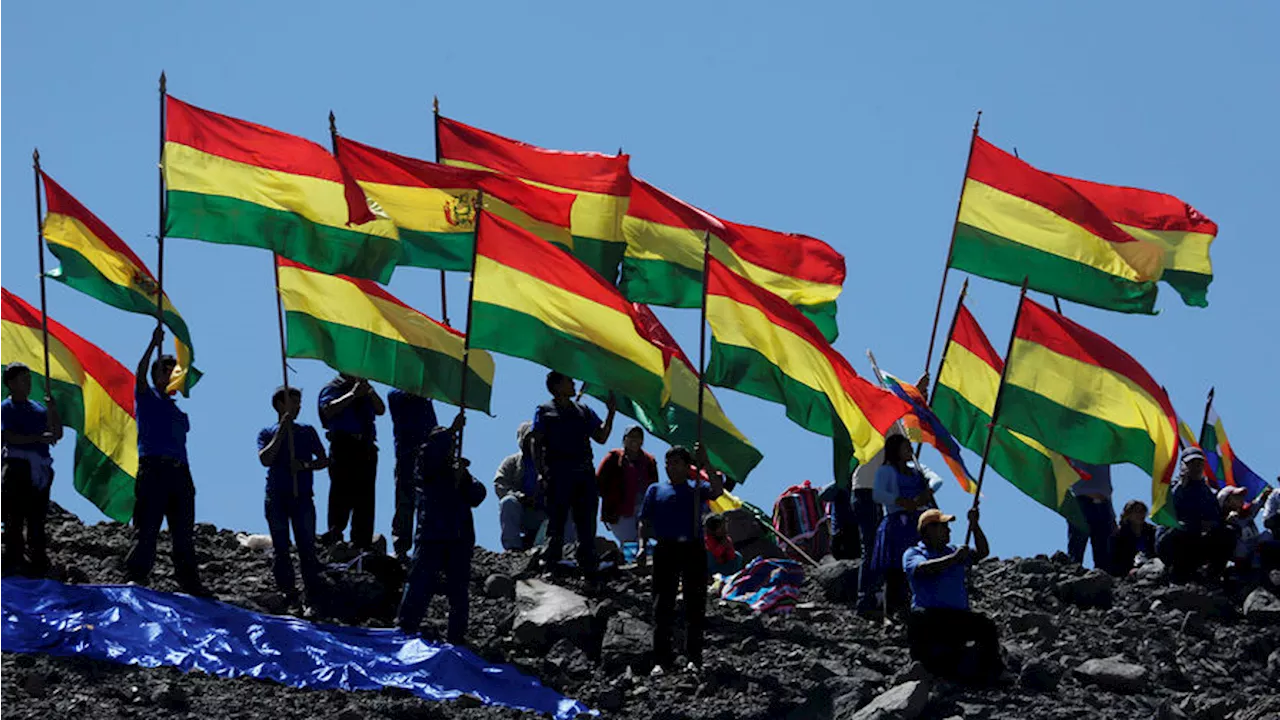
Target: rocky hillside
1077,644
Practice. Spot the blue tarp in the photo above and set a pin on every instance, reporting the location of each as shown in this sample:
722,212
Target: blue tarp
140,626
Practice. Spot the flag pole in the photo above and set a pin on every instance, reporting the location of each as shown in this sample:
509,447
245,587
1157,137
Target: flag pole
995,410
162,214
942,361
284,365
44,310
702,368
466,338
946,268
1208,405
444,295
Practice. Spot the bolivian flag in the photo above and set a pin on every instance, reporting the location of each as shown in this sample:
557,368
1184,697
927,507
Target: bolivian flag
94,395
1016,221
763,346
98,263
355,326
964,400
532,300
1183,232
434,206
1079,394
239,183
600,183
663,260
676,421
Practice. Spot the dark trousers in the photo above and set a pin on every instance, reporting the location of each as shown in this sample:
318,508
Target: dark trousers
164,490
1185,552
939,638
674,563
353,470
868,514
283,511
406,503
846,538
24,509
572,492
430,559
1101,517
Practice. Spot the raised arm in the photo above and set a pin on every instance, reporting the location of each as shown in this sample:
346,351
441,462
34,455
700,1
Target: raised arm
604,431
279,439
981,549
144,365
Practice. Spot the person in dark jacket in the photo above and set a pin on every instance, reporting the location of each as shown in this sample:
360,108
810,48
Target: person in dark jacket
1134,540
413,417
623,477
348,408
445,536
29,428
1201,539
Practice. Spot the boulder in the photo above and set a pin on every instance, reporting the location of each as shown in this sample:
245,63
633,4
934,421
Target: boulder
1262,607
1040,675
743,526
549,613
838,579
1091,590
1040,625
901,702
1273,664
499,586
626,641
1035,566
1151,570
1192,598
1114,673
759,547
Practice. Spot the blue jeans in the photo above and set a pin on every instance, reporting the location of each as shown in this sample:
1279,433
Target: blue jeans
430,559
284,511
1101,517
164,489
519,523
572,492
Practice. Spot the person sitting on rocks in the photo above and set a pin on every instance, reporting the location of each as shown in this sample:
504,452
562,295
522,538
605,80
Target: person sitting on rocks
1239,520
289,500
29,428
941,626
667,515
623,477
1200,539
1134,540
521,513
722,558
445,536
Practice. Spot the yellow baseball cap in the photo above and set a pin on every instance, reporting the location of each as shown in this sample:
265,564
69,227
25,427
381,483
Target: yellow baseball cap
931,516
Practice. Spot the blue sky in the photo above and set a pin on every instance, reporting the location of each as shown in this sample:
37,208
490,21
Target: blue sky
842,121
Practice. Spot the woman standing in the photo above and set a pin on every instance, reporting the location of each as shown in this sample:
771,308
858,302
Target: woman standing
905,488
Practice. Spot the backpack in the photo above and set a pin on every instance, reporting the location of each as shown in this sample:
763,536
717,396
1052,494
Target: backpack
798,515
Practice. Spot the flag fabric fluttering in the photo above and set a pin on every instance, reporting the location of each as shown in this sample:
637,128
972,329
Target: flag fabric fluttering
1081,395
355,326
95,261
239,183
94,396
763,346
601,184
924,426
434,206
964,400
1227,467
663,260
1016,221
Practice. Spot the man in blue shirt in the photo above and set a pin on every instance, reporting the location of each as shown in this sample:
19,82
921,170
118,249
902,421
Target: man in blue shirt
348,408
164,487
413,417
1093,495
289,499
941,626
446,535
1201,539
28,429
670,515
563,430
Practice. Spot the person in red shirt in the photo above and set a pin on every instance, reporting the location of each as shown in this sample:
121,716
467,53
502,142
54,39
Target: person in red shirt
623,477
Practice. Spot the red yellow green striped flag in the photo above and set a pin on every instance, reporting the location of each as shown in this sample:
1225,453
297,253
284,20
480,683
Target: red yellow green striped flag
355,326
763,346
239,183
663,260
1080,395
532,300
1016,221
1172,224
98,263
964,399
676,421
600,183
94,395
434,206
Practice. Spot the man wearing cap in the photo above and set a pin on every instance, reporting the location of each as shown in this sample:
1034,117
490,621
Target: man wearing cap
1239,520
941,625
1201,538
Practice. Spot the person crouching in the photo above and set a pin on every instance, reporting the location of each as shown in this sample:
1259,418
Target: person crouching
941,625
445,535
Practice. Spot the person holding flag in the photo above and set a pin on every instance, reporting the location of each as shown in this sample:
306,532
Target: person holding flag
28,429
1201,538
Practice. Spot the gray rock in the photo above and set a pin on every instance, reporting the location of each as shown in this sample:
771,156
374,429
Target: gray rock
902,702
824,669
1151,570
1114,673
500,586
626,641
1036,566
1196,623
1262,607
838,579
172,696
550,612
611,699
1091,590
36,684
1040,675
743,526
1040,625
1193,598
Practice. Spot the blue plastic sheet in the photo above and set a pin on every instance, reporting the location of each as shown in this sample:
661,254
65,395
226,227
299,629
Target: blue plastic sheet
140,626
